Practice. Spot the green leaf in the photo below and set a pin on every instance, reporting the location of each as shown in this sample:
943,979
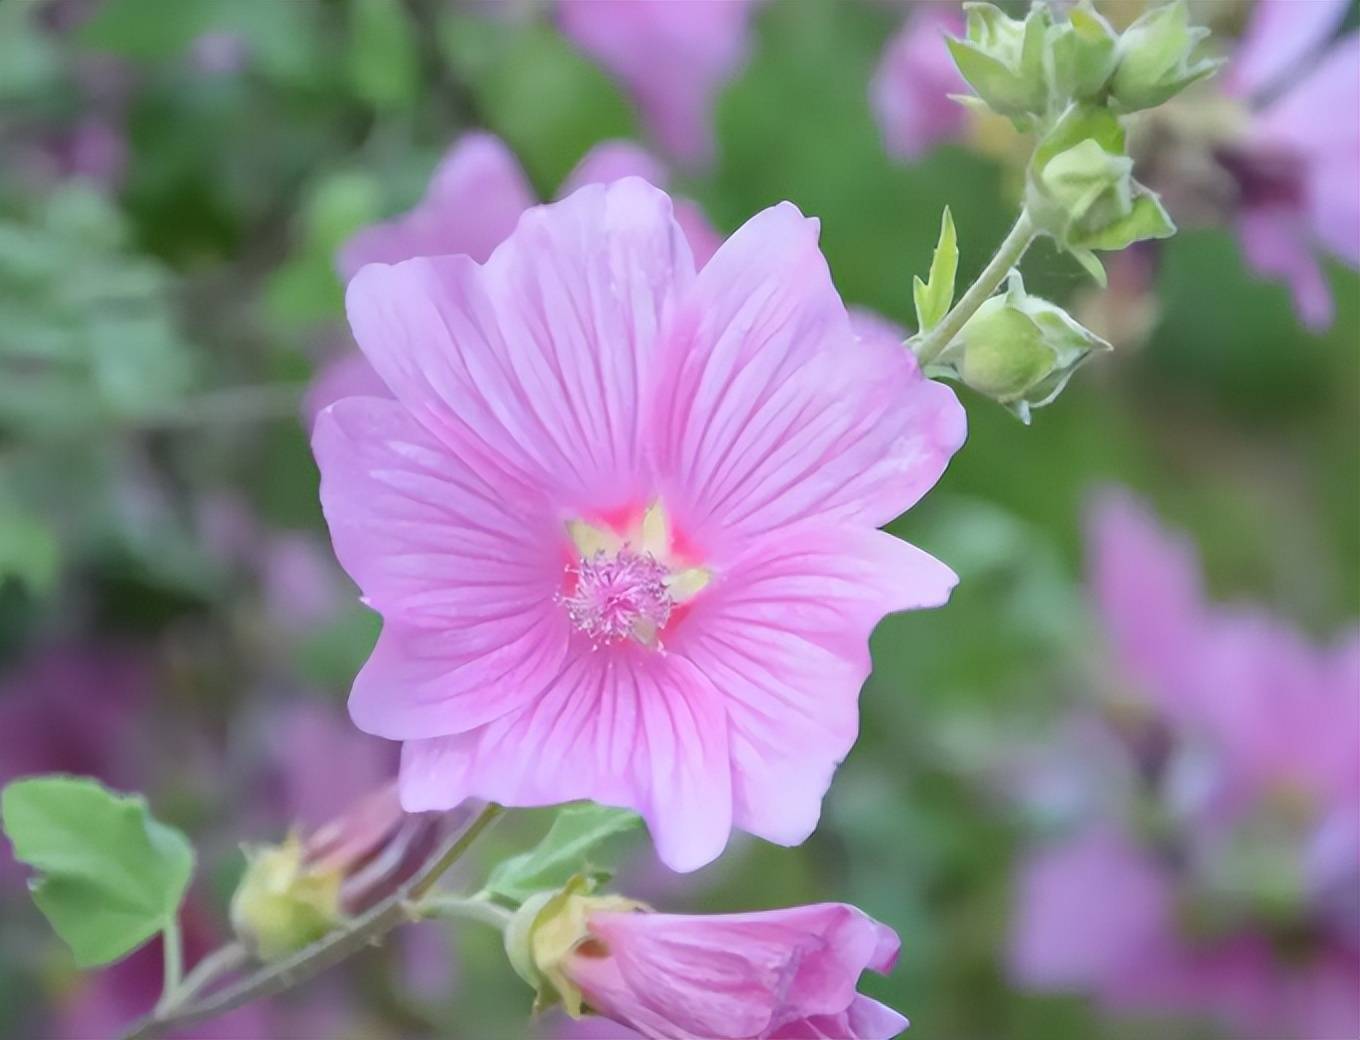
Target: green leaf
384,66
110,875
28,551
145,30
933,298
583,839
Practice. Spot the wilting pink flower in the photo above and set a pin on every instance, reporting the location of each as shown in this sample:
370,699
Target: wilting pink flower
910,91
780,974
1243,901
474,200
1299,162
620,519
673,56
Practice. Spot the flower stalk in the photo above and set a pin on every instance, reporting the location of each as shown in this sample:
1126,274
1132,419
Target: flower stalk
178,1009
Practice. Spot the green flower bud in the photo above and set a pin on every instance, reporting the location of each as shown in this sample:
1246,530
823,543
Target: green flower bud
1156,58
1003,59
281,904
1018,349
547,929
1082,53
1081,188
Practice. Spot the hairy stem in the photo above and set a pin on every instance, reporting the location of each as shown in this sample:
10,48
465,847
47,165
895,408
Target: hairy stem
340,944
172,957
1020,237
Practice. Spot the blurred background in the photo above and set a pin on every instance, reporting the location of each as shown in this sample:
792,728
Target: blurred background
1079,744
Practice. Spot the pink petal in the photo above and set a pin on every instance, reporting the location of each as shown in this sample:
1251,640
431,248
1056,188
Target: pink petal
476,195
637,730
1146,584
784,636
535,362
1279,37
865,1019
910,91
770,410
1087,912
733,975
672,55
463,571
1275,243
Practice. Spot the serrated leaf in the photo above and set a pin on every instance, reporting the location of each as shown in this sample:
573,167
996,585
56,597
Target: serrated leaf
583,839
110,875
935,296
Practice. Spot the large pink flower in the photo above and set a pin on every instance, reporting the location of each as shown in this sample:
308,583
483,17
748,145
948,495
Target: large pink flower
620,519
776,975
672,55
1299,163
910,91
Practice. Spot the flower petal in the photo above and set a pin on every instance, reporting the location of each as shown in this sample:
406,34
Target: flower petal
1279,37
633,729
475,196
462,569
536,362
771,410
784,636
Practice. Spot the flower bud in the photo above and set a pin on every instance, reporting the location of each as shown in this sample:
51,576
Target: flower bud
1082,51
1081,188
281,904
1002,58
547,929
1156,58
1019,350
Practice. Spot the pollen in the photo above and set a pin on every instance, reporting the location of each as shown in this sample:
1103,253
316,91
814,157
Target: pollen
623,595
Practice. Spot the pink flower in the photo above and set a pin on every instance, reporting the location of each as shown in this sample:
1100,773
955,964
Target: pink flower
1243,901
672,55
1299,163
781,974
474,200
910,91
620,519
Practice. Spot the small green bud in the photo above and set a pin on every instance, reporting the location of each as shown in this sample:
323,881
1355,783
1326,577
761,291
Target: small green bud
1156,58
1082,51
1018,349
1081,188
281,905
1003,59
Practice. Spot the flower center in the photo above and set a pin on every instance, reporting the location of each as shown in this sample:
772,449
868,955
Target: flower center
618,596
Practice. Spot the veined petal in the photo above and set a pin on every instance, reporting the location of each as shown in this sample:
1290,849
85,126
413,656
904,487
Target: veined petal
771,410
1279,37
634,729
784,636
536,362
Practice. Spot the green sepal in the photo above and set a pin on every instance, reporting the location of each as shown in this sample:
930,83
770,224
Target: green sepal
934,297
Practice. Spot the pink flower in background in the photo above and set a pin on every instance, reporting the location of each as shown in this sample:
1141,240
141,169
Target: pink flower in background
1244,903
779,974
1299,163
474,200
910,91
627,510
673,56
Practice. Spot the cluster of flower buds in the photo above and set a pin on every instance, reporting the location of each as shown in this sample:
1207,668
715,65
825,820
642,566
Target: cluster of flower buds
293,893
1069,80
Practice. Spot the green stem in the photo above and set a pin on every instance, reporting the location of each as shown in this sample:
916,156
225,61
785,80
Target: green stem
172,956
1021,236
284,974
476,908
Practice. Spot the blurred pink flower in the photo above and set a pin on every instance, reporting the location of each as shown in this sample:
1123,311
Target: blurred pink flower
673,56
779,974
620,520
475,198
910,91
1242,900
1299,164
